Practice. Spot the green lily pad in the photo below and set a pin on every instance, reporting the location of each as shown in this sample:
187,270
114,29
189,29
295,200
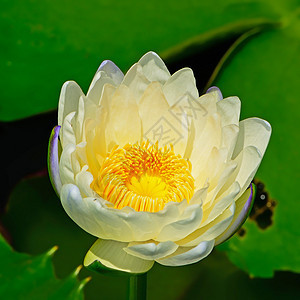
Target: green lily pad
31,277
49,42
265,75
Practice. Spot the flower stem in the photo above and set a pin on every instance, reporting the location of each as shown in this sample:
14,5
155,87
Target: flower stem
137,289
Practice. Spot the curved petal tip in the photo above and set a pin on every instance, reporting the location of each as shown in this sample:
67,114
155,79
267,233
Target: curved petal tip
243,208
216,91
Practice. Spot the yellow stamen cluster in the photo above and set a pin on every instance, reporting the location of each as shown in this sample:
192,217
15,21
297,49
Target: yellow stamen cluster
144,177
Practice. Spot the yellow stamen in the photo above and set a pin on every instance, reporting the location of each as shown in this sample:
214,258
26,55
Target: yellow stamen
144,177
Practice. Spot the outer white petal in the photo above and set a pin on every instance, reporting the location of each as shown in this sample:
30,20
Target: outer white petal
211,230
188,255
177,230
154,68
151,250
112,255
96,217
251,159
243,206
68,100
247,162
220,204
253,132
181,82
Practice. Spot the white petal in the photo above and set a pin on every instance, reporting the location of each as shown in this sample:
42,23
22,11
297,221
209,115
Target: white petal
151,250
112,71
136,81
83,180
216,92
229,138
179,83
68,100
205,141
95,90
112,255
66,170
95,217
188,255
107,73
243,205
154,68
220,204
251,159
187,223
253,132
67,134
229,110
211,230
124,123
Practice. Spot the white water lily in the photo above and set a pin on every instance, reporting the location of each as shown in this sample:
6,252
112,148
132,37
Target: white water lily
151,169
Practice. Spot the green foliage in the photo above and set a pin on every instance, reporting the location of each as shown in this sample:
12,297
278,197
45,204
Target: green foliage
31,277
49,42
265,75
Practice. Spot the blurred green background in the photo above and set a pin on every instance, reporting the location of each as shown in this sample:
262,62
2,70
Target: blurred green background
247,48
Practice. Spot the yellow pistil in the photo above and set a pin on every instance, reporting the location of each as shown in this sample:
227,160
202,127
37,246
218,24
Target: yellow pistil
144,177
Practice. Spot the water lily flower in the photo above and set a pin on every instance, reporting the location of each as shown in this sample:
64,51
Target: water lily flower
151,169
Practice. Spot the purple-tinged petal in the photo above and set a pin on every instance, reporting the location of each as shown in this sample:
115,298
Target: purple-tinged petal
216,91
53,160
112,71
242,213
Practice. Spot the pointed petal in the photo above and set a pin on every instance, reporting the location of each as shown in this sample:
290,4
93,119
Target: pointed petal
181,82
54,149
154,68
229,110
243,207
211,230
136,81
216,92
112,71
68,100
253,132
107,73
111,254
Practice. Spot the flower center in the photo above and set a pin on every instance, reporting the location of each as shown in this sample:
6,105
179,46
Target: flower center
144,177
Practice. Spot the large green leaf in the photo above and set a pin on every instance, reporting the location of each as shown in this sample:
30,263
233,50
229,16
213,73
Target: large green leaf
49,42
31,277
265,75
